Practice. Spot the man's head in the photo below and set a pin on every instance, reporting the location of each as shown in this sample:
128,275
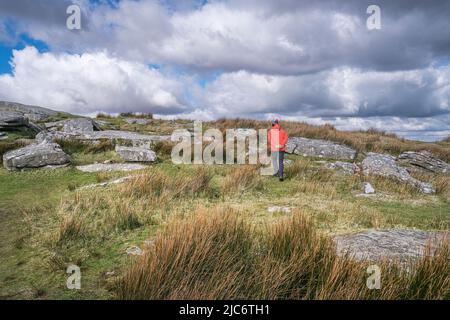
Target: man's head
275,122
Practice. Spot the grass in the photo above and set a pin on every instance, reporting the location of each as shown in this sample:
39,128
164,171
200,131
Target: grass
47,222
221,256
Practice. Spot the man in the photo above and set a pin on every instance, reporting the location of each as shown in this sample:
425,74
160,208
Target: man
277,139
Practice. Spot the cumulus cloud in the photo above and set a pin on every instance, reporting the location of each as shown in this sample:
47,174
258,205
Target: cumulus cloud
273,37
338,92
89,83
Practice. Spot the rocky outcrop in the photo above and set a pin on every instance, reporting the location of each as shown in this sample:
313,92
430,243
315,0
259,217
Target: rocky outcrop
385,165
12,119
137,121
394,244
35,156
319,148
3,135
424,160
33,113
136,154
121,137
102,167
347,168
73,126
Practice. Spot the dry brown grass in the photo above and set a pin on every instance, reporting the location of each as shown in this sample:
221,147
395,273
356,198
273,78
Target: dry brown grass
363,141
240,179
219,255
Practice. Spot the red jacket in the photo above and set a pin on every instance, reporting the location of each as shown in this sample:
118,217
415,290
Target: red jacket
280,143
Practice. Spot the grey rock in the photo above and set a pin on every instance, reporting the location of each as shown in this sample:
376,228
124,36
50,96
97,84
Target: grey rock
425,161
319,148
368,189
347,168
136,154
106,183
275,209
3,136
137,121
33,113
394,245
35,156
385,165
122,137
101,167
74,126
10,119
134,251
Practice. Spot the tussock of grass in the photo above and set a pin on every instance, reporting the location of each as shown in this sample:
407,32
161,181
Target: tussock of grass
242,178
221,256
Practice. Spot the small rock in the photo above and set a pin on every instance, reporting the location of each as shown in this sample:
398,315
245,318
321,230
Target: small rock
3,135
107,162
368,189
134,251
275,209
137,121
343,167
136,154
110,274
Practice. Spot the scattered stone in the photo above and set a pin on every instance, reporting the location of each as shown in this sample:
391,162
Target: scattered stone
106,183
137,121
110,273
394,245
101,167
3,136
319,148
424,160
368,189
136,154
347,168
288,162
107,161
134,251
385,165
35,156
275,209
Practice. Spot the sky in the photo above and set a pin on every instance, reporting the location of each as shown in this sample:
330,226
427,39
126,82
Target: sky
313,61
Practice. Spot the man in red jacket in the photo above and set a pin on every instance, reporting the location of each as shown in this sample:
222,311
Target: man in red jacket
277,139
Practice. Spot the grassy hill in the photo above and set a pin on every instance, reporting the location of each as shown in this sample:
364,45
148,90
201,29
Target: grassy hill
206,229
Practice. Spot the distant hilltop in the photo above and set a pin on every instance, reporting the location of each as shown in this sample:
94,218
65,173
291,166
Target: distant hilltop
34,113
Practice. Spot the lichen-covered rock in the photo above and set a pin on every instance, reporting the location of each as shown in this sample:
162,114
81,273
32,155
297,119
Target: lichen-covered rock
394,245
101,167
139,121
385,165
35,156
12,119
424,160
136,154
122,137
319,148
343,167
74,126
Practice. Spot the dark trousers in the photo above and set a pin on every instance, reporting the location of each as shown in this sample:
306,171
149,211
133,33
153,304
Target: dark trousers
278,163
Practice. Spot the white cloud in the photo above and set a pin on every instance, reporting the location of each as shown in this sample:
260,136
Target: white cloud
89,83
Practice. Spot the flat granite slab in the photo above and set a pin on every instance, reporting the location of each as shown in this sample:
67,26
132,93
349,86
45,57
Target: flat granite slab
110,167
393,245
